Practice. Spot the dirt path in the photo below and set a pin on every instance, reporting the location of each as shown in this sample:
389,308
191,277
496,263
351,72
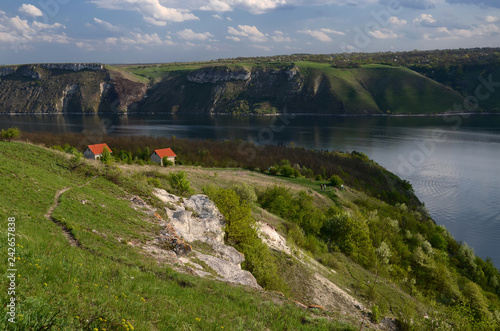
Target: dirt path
57,200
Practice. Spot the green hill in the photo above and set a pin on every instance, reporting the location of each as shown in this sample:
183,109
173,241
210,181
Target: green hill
82,262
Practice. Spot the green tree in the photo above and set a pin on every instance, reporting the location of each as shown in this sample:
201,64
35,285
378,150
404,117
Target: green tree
241,234
179,182
106,156
166,162
10,133
335,180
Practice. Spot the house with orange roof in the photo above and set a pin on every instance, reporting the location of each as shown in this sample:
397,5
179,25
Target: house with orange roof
158,155
95,151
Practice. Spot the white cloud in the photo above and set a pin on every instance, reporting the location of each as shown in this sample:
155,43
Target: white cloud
247,31
217,16
106,25
20,34
42,26
280,37
30,10
383,34
253,6
424,18
491,19
233,38
264,48
396,21
189,34
322,34
444,33
142,39
152,11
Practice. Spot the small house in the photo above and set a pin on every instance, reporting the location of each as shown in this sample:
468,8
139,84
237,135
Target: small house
158,155
95,151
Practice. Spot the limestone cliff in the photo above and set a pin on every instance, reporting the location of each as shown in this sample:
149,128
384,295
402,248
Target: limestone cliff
239,88
66,88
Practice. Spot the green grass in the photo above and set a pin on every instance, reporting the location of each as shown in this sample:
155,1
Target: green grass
108,283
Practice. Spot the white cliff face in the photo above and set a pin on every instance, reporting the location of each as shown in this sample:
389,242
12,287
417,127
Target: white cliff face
197,219
73,66
5,71
218,74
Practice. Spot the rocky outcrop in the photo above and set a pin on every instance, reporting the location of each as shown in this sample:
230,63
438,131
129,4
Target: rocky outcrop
5,71
72,66
197,220
219,74
67,88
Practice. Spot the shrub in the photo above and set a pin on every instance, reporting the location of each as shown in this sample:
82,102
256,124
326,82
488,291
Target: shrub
76,161
336,181
179,183
106,156
376,314
245,192
10,133
167,162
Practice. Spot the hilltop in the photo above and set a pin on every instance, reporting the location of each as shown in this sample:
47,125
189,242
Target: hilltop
113,246
338,84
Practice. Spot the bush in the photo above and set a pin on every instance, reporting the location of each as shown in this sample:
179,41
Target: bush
179,183
167,162
10,133
106,156
245,192
336,181
76,161
376,314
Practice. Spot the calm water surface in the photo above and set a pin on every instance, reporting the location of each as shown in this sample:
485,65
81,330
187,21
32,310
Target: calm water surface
453,163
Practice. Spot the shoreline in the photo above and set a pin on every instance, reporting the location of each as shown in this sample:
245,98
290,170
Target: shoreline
257,115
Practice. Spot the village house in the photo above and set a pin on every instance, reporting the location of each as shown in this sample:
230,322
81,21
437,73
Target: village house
95,151
158,155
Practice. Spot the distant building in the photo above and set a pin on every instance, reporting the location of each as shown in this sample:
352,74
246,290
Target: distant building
158,155
95,151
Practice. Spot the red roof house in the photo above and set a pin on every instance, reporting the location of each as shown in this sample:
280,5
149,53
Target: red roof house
95,151
158,155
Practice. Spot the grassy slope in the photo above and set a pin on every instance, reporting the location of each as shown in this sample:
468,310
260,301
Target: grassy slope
106,283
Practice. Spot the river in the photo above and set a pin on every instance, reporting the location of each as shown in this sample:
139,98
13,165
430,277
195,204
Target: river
452,162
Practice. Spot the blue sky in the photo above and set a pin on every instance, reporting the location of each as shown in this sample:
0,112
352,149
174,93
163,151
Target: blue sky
145,31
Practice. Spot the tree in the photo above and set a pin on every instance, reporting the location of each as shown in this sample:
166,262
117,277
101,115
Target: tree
241,234
335,180
10,133
76,160
179,182
166,162
105,156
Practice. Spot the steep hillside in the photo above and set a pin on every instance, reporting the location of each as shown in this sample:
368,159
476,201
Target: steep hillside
302,87
109,246
215,88
82,264
67,88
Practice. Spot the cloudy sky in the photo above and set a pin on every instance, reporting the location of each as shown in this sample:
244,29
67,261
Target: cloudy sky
145,31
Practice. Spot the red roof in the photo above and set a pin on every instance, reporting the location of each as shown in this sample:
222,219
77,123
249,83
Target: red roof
165,152
99,148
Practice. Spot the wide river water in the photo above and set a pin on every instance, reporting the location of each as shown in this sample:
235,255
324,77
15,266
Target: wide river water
453,163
